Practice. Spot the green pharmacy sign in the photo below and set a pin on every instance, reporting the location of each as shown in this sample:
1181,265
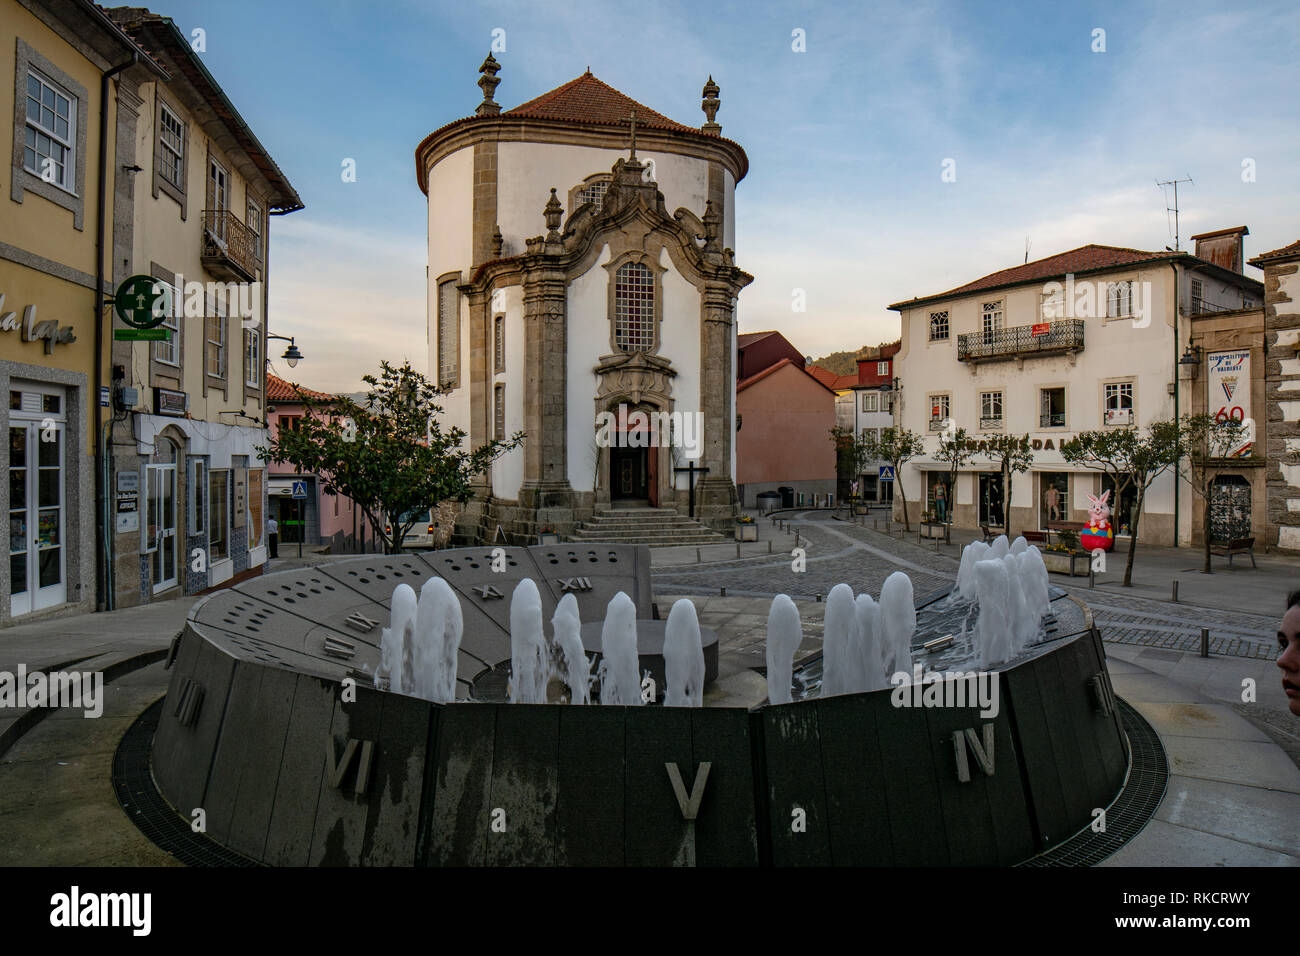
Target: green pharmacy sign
142,302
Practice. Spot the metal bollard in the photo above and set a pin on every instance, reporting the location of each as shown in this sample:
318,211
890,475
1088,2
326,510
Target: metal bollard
1092,577
1175,598
1205,642
697,555
818,597
769,545
737,549
722,592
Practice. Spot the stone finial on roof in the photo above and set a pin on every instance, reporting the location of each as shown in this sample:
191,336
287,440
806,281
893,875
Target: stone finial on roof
497,243
488,83
710,106
554,212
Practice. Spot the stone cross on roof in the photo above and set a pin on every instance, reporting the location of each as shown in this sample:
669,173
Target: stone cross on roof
632,119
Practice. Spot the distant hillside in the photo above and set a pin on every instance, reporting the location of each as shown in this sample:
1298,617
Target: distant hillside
843,363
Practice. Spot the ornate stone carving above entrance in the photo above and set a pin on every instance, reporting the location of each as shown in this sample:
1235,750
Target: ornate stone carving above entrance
638,376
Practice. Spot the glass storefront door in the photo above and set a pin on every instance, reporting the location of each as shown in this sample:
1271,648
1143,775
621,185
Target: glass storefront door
991,499
37,562
1053,497
161,525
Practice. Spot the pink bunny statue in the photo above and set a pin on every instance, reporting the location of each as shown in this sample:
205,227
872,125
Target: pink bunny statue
1099,533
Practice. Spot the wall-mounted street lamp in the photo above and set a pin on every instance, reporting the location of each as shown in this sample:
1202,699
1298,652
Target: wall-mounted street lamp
291,354
1191,360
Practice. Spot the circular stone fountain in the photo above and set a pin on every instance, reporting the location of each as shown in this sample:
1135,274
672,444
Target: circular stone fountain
273,726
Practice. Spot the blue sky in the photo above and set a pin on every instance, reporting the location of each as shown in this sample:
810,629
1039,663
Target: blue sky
846,140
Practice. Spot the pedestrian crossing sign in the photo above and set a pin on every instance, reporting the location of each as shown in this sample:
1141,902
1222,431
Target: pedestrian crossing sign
886,472
300,489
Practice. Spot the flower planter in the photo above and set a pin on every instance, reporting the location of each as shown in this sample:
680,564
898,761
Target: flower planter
548,537
747,532
1074,563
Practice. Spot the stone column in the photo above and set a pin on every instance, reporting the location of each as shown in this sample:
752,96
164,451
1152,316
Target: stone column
471,523
546,496
715,497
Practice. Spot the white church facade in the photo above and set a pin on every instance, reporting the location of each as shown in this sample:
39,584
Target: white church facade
582,288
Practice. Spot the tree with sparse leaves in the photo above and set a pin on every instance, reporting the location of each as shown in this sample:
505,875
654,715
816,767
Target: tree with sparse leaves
954,450
896,446
1131,458
389,454
1208,441
1013,456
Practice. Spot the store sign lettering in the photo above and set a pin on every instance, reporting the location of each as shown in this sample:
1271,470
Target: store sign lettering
30,330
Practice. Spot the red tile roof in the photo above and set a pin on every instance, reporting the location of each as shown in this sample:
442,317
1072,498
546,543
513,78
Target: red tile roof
588,100
584,101
748,338
1084,259
830,379
1286,252
278,390
771,369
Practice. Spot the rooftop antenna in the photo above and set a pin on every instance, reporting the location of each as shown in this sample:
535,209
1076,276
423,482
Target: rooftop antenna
1174,208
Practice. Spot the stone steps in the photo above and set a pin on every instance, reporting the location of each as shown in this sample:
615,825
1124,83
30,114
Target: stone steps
657,527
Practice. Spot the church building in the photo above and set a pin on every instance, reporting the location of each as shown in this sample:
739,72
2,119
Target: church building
582,290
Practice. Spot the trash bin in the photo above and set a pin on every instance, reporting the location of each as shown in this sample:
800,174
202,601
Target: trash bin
787,496
768,501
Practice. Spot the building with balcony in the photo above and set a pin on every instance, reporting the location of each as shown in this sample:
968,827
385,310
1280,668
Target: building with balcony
195,217
1087,339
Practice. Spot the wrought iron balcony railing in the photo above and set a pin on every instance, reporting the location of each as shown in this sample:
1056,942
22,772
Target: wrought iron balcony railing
229,246
1046,338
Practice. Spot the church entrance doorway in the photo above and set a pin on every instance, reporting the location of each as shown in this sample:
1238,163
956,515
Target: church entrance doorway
630,477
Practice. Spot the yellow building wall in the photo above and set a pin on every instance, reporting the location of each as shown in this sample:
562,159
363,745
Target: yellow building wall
46,229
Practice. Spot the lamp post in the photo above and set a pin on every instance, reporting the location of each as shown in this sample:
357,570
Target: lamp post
291,354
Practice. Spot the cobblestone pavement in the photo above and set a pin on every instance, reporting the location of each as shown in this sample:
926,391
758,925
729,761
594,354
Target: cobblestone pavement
843,552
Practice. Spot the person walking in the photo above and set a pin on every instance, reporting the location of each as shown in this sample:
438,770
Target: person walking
941,502
273,536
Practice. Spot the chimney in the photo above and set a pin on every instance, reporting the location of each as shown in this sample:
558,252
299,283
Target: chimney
1223,247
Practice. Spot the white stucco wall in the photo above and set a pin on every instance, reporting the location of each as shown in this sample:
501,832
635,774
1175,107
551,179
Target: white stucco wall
588,337
508,470
527,171
451,207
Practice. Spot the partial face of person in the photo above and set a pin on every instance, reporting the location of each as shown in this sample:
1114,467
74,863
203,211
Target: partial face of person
1288,639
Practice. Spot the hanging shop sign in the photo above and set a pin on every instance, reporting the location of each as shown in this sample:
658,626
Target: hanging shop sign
142,302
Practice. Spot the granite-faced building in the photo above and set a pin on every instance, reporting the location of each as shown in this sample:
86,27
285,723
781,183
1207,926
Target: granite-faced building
580,262
195,218
1282,393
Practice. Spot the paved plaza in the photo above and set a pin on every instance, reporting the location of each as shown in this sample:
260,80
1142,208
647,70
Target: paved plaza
1234,763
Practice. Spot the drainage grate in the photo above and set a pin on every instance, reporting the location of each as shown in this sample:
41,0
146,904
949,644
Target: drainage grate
1131,809
145,807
